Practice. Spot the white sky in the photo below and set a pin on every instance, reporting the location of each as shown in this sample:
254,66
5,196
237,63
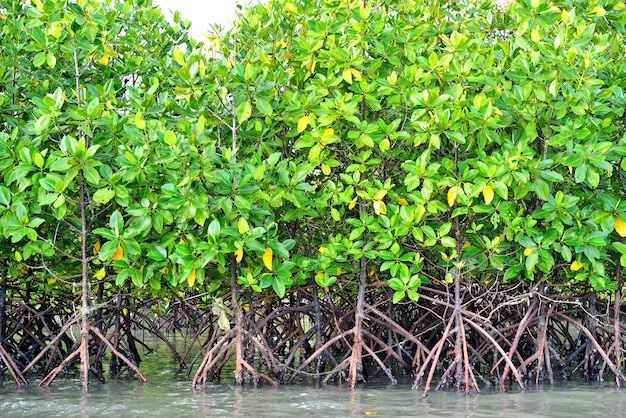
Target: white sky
200,12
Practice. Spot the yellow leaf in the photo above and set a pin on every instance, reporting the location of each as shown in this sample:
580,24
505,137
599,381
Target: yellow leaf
380,207
528,251
303,122
288,55
104,60
191,279
467,244
403,202
322,251
267,258
164,270
356,74
339,271
124,311
239,255
620,227
119,253
100,273
452,195
371,412
328,132
280,44
291,8
575,266
381,194
488,194
319,275
96,247
352,204
326,169
326,289
52,280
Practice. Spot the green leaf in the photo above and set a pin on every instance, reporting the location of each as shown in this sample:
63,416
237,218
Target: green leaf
5,195
264,107
117,223
91,175
102,196
398,296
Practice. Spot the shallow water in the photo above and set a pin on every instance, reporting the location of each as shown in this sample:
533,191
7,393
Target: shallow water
167,394
171,398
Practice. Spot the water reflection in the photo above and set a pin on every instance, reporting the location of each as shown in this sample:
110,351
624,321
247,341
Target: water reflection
175,398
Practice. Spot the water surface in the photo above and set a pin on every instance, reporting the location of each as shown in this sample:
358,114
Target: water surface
171,398
168,394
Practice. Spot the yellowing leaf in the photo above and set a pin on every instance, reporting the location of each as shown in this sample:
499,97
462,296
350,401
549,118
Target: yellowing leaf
303,122
242,226
403,202
356,74
467,244
347,75
267,258
380,207
288,55
620,227
528,251
488,194
328,132
322,251
239,255
164,270
96,247
352,204
104,60
119,253
575,266
280,44
139,121
52,280
124,311
100,274
534,35
291,8
381,194
191,279
452,192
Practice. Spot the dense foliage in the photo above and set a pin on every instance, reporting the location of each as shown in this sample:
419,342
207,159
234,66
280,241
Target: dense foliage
334,146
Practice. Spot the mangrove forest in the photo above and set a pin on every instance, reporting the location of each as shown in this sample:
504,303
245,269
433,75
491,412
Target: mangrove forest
329,190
